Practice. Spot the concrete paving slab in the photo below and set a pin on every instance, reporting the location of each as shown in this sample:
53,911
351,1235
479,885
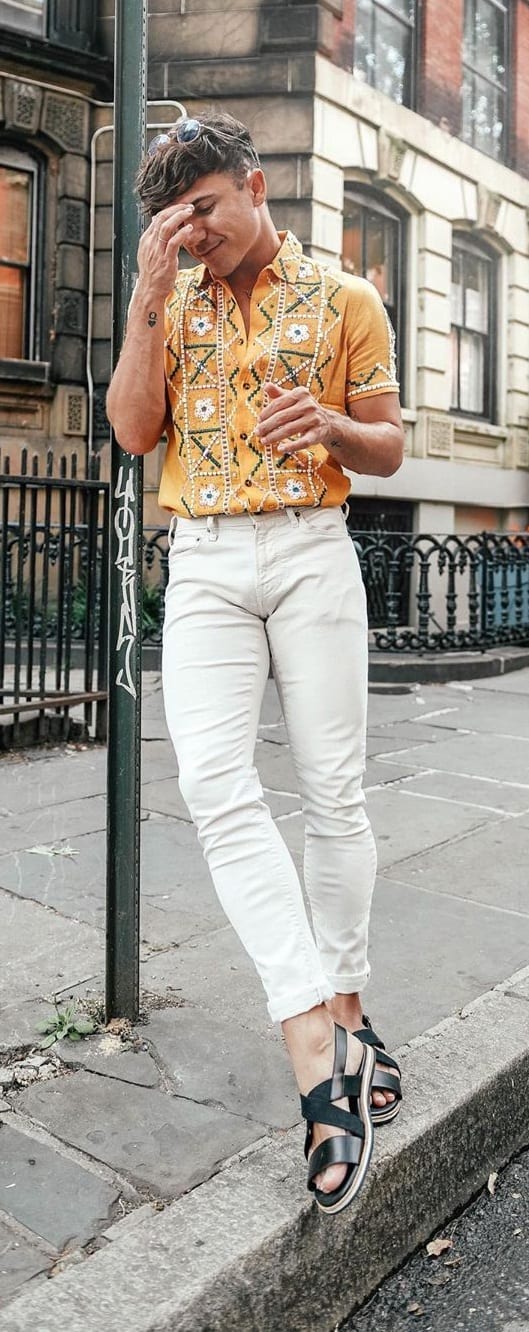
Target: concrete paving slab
276,732
477,756
261,1268
19,1262
386,743
34,784
49,1194
275,767
461,790
212,1060
157,760
417,939
105,1054
381,773
212,972
517,683
402,824
159,1141
57,952
164,798
488,713
404,707
53,824
489,866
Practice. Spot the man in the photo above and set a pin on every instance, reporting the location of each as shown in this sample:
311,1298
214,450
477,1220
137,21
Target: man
270,376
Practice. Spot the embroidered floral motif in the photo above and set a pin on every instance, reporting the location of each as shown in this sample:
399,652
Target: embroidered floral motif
295,489
298,332
201,325
209,495
305,270
204,408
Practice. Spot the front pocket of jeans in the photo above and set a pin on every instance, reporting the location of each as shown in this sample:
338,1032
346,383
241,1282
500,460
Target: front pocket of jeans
182,545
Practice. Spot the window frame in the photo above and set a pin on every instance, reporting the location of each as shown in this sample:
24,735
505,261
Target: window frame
18,159
412,26
470,245
22,18
371,201
478,76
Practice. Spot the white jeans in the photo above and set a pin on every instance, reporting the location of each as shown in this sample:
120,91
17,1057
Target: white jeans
241,588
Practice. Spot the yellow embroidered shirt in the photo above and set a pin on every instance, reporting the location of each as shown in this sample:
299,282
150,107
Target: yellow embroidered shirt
308,326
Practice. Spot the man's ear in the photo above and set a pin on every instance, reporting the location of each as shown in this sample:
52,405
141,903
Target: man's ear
257,186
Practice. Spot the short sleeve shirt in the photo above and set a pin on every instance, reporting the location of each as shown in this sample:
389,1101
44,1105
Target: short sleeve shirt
309,326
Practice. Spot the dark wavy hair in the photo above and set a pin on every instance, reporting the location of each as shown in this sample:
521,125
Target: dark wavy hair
224,145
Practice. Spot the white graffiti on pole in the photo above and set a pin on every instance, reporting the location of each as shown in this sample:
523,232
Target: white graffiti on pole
125,527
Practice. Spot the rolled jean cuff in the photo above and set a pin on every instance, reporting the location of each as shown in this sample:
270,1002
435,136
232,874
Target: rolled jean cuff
350,984
291,1005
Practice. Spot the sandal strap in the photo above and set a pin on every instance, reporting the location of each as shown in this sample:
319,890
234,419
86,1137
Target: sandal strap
334,1151
387,1082
350,1085
316,1111
369,1037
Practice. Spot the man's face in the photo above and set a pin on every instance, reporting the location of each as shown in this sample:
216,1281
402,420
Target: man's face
226,219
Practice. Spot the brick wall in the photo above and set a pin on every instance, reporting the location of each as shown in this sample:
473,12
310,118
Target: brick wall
440,63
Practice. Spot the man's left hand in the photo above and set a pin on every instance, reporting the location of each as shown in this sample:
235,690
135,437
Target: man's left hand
293,420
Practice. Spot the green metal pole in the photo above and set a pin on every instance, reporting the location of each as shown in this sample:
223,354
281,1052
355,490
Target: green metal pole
125,589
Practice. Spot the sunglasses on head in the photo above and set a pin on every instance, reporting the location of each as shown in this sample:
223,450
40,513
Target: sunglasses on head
187,131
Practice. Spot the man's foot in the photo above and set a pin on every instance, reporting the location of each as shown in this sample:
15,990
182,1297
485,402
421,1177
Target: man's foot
310,1042
347,1010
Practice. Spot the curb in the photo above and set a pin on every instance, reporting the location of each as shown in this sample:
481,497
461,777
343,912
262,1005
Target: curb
248,1251
387,668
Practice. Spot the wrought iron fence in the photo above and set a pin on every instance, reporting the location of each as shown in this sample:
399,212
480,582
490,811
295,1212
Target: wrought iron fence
440,594
424,593
53,580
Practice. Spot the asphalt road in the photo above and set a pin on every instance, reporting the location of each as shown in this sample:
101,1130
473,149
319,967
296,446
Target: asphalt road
478,1284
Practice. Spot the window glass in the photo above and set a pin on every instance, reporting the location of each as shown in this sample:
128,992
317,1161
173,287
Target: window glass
16,240
384,46
471,334
485,75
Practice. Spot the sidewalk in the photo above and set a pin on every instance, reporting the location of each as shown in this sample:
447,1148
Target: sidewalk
106,1133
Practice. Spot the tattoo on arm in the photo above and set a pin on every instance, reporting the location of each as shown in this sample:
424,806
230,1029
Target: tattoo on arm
152,318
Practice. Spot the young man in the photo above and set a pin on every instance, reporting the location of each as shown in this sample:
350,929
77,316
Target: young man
269,375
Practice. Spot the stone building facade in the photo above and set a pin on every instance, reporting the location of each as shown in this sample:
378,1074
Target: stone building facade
395,138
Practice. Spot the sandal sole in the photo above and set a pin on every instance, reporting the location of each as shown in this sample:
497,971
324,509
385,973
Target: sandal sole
360,1173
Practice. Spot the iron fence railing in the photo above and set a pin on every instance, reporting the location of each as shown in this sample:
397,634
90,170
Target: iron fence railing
441,594
53,581
424,593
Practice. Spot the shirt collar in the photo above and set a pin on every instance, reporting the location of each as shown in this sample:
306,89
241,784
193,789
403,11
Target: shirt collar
285,264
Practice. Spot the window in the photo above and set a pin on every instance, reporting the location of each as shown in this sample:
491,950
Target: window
384,46
372,248
18,208
472,315
485,60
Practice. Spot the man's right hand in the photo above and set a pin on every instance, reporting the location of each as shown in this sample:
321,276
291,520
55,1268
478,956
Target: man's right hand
159,248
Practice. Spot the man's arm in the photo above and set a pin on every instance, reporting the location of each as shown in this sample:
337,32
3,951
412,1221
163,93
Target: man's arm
136,401
372,443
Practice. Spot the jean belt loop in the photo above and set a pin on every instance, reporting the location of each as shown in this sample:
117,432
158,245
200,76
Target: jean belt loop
212,526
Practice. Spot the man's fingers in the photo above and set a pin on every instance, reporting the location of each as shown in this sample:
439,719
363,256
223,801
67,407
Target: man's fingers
279,420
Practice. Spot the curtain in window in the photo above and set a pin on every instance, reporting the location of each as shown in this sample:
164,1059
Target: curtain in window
15,243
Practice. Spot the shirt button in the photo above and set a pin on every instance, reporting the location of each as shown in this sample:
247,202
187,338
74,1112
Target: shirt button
246,386
244,436
248,482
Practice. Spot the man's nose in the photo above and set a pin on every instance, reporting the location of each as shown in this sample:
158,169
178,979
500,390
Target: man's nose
199,232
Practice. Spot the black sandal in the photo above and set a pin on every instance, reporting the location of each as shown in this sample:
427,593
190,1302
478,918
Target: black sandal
355,1147
382,1081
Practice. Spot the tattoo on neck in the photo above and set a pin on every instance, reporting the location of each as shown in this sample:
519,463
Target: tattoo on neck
152,318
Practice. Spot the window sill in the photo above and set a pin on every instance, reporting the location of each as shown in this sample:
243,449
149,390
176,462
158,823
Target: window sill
471,425
31,377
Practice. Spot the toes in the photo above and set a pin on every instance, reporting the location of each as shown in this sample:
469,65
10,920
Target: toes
330,1179
378,1098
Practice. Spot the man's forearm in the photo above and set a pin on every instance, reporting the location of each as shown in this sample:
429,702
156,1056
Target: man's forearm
136,396
371,449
